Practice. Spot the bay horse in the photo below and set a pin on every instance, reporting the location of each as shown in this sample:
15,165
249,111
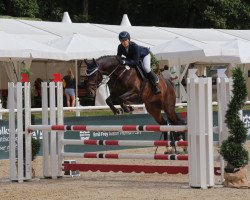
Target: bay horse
128,87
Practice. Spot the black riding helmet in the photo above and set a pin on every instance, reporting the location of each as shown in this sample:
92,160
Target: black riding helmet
124,35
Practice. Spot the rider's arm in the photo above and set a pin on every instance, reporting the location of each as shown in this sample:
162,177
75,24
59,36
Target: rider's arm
136,55
119,51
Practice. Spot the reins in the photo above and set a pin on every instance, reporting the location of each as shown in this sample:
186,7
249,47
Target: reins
105,80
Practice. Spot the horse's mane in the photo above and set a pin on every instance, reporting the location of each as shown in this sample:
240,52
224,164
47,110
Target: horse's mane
109,56
105,56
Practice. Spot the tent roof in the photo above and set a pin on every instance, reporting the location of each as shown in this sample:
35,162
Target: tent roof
155,35
43,32
204,35
78,46
15,26
66,18
63,29
16,47
125,21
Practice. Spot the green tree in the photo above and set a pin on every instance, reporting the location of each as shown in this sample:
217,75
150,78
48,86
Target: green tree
2,8
230,14
232,149
49,10
23,8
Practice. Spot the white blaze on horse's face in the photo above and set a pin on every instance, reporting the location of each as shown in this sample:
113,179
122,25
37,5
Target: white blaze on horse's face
125,43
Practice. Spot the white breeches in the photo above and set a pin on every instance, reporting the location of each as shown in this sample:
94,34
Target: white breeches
147,63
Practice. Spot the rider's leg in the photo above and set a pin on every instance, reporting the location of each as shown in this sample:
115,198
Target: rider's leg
150,74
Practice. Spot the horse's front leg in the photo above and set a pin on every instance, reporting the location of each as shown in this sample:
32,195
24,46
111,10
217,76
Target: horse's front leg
129,96
112,107
126,108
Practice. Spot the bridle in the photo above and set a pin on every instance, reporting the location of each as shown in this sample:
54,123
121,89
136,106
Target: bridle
104,80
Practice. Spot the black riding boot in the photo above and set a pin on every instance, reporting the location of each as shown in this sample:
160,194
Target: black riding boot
153,79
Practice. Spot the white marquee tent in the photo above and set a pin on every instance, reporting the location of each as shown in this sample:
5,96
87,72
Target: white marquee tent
43,32
179,51
78,46
18,48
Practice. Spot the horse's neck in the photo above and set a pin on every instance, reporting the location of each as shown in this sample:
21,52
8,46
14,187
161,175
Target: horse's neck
108,69
127,78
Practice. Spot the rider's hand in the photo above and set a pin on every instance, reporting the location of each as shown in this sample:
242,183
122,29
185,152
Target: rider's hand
124,62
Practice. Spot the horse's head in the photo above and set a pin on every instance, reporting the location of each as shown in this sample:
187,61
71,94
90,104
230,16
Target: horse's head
94,77
105,65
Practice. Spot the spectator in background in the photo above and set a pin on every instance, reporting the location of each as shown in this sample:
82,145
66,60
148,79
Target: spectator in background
167,75
37,93
69,84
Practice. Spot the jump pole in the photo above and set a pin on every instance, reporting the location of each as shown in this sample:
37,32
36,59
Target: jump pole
110,128
130,168
224,93
200,139
200,131
45,133
200,150
20,163
142,143
52,159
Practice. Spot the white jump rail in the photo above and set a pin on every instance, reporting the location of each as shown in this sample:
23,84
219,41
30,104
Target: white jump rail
110,128
202,166
200,137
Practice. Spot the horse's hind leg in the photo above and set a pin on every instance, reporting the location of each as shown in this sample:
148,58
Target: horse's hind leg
171,114
155,111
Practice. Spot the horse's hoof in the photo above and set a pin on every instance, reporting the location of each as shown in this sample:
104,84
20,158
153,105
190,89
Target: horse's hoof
126,110
119,111
169,150
131,109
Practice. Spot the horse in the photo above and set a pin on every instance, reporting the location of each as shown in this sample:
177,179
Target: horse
127,86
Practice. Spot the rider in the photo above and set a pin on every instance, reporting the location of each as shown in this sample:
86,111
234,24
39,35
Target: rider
135,53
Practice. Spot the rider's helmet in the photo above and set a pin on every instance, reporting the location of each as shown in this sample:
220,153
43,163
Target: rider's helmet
124,35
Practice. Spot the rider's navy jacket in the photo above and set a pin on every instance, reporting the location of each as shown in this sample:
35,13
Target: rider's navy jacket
134,55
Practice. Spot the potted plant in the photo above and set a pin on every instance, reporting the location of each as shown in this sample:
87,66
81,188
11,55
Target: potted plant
232,149
155,64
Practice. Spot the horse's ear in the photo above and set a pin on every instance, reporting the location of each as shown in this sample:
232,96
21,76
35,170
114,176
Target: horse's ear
86,62
95,62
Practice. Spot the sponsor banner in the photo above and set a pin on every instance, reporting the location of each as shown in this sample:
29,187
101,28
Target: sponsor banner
139,119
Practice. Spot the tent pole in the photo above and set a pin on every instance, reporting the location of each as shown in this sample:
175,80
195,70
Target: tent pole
77,99
76,79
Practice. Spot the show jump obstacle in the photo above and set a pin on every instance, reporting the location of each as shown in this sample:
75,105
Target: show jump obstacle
199,125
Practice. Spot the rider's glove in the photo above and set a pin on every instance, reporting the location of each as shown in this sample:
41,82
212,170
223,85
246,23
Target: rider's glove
124,62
